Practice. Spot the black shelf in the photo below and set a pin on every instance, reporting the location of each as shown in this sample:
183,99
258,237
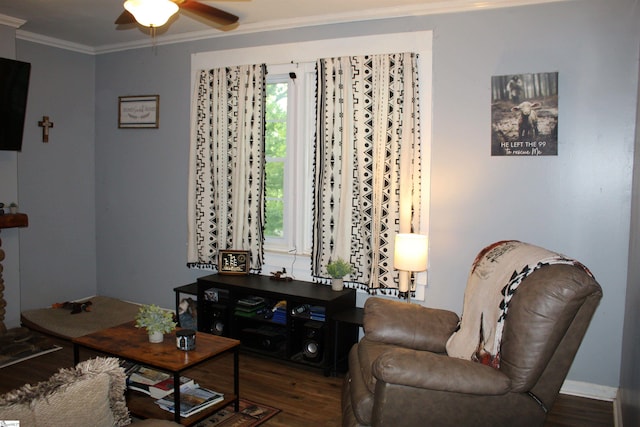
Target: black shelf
297,338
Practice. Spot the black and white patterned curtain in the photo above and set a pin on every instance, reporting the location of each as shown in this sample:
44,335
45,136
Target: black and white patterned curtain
366,165
226,183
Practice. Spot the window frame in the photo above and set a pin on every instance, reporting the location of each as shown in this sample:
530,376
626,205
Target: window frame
286,213
298,174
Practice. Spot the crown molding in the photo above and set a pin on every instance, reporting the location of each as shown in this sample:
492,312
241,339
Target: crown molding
54,42
10,21
441,7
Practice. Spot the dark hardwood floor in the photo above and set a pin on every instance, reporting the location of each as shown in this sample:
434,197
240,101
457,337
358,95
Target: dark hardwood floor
304,396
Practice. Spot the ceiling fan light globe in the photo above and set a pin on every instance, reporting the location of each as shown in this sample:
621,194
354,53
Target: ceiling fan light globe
151,13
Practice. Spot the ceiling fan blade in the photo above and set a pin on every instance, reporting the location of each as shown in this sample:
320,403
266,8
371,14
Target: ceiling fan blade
209,12
125,18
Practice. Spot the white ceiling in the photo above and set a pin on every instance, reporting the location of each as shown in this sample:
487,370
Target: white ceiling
88,25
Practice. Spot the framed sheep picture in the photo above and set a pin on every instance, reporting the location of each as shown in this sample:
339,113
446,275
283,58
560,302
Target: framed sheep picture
524,115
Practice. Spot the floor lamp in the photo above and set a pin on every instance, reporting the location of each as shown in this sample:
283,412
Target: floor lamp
410,255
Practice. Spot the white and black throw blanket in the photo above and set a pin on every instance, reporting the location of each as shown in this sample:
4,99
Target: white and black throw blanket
495,276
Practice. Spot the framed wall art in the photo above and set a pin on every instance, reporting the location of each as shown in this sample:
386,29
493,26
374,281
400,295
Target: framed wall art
233,262
524,114
138,112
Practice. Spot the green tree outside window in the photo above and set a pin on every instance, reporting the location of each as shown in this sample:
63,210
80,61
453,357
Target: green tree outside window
276,155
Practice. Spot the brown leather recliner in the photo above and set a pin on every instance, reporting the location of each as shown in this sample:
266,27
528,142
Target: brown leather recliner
400,373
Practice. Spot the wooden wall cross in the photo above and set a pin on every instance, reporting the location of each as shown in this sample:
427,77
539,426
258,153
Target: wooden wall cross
45,124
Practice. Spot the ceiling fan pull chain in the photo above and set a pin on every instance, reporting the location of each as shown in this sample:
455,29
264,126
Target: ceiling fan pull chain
154,40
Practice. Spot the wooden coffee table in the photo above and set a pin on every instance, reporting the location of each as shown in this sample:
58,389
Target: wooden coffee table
131,343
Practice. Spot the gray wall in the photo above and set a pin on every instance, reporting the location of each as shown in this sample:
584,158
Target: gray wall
577,203
630,369
56,180
141,177
9,193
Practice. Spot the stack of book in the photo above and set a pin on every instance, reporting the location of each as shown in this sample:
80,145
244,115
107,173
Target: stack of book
165,388
193,399
317,312
280,313
141,378
152,382
249,306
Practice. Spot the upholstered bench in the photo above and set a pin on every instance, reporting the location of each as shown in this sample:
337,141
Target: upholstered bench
59,322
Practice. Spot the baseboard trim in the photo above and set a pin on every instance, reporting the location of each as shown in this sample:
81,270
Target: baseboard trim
617,409
588,390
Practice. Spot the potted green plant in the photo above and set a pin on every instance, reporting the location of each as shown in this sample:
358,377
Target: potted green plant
157,321
337,269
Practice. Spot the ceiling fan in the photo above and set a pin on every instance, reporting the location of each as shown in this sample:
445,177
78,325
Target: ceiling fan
155,13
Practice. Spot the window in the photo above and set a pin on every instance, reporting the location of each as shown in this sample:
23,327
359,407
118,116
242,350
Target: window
289,138
276,157
297,173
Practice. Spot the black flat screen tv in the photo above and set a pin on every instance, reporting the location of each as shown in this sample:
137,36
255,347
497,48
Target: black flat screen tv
14,87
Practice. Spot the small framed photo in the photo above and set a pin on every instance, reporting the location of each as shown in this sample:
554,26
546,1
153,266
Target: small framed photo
211,295
187,311
137,112
233,262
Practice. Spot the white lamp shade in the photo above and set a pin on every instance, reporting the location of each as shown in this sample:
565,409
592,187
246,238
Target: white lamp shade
410,253
151,13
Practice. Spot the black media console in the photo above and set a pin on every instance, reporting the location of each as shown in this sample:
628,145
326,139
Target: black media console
288,320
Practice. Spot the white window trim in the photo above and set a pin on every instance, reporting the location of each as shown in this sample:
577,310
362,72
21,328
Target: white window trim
419,42
281,243
298,165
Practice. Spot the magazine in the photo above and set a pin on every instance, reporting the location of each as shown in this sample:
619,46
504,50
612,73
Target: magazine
193,399
164,388
145,375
